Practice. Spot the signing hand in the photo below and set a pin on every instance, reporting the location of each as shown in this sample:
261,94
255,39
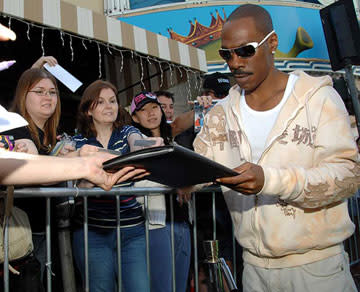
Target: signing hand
249,181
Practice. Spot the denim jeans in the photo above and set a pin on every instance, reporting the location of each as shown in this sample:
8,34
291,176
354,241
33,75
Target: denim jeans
160,257
39,241
103,267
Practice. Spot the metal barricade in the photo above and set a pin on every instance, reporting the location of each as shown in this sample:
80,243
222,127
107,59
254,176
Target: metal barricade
352,244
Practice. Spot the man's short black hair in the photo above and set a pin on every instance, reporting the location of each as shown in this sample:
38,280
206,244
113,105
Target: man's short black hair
165,93
261,15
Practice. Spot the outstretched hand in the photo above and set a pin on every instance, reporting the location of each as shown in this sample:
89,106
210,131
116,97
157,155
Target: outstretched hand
250,179
98,176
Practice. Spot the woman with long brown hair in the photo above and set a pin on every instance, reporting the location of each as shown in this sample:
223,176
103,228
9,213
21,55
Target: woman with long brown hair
37,100
103,123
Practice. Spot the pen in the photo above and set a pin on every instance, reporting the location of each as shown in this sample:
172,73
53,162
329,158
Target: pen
6,64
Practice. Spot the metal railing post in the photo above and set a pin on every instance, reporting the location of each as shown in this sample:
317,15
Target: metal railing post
6,255
147,240
86,245
234,252
196,264
48,245
214,215
118,242
172,243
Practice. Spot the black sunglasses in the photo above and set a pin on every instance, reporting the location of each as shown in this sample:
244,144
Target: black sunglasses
244,51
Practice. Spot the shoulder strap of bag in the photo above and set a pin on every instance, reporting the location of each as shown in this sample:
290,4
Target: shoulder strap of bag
9,201
6,209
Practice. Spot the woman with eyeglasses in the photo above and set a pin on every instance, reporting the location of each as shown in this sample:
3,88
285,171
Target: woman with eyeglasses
37,100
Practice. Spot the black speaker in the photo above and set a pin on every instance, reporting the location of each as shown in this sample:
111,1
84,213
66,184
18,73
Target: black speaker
342,33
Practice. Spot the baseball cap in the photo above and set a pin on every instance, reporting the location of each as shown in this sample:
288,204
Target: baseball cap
141,99
217,82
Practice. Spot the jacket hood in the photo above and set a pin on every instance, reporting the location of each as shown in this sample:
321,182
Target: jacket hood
305,87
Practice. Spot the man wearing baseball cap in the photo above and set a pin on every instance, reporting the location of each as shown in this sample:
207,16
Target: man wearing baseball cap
217,85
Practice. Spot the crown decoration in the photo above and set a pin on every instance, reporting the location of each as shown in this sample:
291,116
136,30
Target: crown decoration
199,34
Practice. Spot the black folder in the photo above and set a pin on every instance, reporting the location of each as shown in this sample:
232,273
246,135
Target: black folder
173,165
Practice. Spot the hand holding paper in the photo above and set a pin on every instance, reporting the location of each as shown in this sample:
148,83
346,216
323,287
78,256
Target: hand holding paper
64,76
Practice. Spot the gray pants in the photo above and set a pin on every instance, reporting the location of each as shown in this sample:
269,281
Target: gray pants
331,274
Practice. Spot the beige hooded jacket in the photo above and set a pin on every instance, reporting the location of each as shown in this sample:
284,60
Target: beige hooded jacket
311,167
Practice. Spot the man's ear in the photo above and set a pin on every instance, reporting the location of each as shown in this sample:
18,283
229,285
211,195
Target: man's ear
273,42
135,118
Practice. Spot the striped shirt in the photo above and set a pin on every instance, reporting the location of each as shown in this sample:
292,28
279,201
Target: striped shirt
102,209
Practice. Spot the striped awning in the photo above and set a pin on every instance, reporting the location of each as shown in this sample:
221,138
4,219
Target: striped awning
90,24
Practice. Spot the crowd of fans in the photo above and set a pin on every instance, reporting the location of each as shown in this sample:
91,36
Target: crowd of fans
103,123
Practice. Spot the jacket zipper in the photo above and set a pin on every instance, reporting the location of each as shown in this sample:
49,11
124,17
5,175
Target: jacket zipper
256,198
254,212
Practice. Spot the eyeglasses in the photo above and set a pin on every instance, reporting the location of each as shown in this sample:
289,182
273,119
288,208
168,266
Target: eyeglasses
244,51
42,92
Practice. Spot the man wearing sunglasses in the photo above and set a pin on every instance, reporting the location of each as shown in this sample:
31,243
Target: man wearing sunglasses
289,139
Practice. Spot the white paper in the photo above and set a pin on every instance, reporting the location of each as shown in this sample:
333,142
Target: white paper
9,120
64,76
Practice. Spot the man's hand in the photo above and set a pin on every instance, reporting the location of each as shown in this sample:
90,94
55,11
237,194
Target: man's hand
249,181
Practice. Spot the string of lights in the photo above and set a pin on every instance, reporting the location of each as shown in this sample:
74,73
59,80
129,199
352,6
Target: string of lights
110,49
